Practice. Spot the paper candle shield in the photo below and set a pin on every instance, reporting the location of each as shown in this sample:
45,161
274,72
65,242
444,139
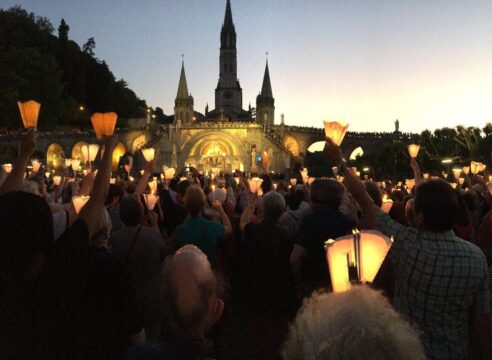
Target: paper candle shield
413,150
104,123
456,173
304,174
461,181
68,162
89,152
410,184
168,172
35,165
310,180
75,164
148,154
254,184
79,202
335,130
466,170
387,205
373,248
153,186
293,181
7,168
426,176
29,111
56,180
150,201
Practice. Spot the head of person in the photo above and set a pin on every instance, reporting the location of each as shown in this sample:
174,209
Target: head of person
181,188
327,193
115,194
374,192
190,295
131,211
101,236
410,213
194,200
397,195
355,324
26,233
273,206
436,206
294,198
266,184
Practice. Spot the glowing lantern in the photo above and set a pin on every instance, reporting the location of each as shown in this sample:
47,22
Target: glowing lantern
142,172
104,123
35,165
75,164
237,180
254,184
387,204
410,184
29,111
56,180
153,186
476,167
47,174
310,180
456,173
128,168
68,162
148,154
275,186
293,181
340,179
89,152
7,168
79,202
366,250
112,181
357,173
461,181
131,178
413,150
453,185
168,172
304,174
482,167
466,170
335,130
426,176
183,178
150,201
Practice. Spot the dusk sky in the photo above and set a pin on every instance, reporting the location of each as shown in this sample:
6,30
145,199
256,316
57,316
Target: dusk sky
426,63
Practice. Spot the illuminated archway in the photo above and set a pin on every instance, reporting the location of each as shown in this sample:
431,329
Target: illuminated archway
138,143
54,156
317,146
77,151
118,152
291,144
357,152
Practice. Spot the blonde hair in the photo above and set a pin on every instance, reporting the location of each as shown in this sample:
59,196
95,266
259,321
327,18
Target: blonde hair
356,324
103,230
194,200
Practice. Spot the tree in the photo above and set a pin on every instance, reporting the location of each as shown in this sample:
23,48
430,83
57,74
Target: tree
89,46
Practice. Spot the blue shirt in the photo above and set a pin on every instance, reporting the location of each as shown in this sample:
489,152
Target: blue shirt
203,233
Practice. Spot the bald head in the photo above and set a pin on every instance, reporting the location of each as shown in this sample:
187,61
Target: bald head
189,292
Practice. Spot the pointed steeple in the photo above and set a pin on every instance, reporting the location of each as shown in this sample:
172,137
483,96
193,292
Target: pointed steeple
228,32
266,89
228,16
183,86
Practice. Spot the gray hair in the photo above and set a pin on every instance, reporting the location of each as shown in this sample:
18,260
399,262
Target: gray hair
273,206
355,324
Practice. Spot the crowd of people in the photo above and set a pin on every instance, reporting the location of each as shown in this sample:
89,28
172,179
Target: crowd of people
221,269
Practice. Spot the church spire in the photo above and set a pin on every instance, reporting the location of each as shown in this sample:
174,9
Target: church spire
183,86
266,89
228,32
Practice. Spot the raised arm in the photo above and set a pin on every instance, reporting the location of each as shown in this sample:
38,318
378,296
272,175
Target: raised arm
223,217
91,212
142,183
416,171
15,179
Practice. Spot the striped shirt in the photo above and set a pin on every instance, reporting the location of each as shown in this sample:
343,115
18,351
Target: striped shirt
440,280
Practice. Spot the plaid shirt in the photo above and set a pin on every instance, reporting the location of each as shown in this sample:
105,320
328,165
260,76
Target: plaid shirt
440,280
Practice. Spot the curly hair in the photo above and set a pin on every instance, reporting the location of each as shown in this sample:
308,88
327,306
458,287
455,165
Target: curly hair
356,324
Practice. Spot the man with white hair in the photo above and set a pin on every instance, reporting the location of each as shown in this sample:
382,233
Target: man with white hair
192,306
356,324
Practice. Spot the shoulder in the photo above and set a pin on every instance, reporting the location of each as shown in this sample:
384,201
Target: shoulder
78,231
147,351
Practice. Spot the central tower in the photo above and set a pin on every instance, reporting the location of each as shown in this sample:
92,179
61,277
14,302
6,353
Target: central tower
228,94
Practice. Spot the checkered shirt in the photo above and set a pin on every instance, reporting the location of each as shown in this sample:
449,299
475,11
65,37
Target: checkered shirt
440,280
